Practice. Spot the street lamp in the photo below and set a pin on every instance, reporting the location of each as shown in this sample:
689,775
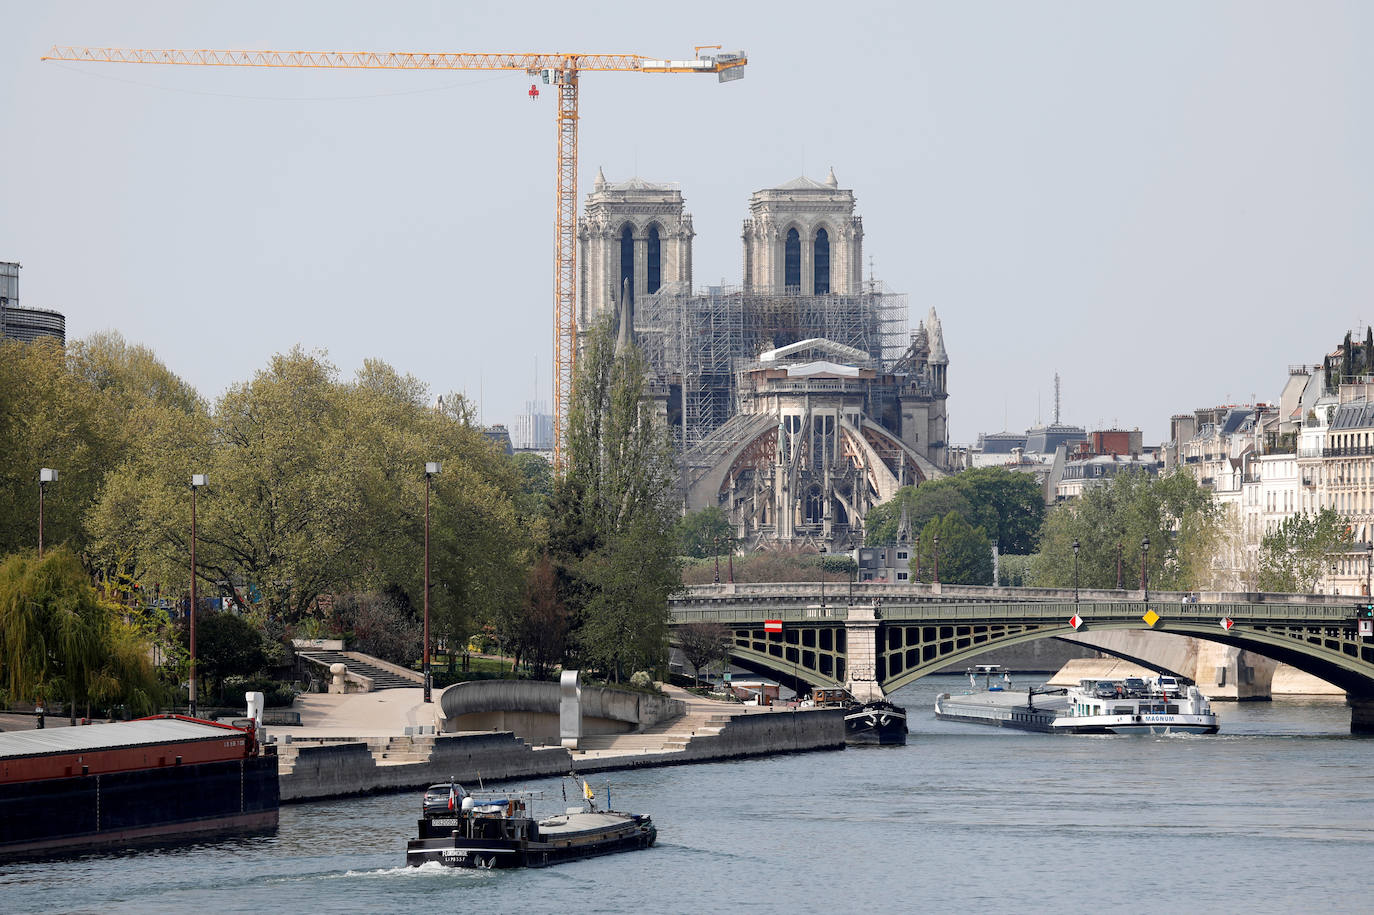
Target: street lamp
1075,573
730,557
197,481
431,468
1144,571
46,475
716,542
1120,582
937,559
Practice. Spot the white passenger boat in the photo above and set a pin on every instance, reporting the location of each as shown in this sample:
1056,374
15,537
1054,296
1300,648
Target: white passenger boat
1129,706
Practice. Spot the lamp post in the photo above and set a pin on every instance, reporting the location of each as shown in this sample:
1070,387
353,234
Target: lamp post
1144,570
1120,582
431,468
730,557
197,481
715,541
937,559
46,475
1075,573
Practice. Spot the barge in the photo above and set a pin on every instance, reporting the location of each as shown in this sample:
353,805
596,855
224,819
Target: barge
1129,706
459,830
157,779
875,723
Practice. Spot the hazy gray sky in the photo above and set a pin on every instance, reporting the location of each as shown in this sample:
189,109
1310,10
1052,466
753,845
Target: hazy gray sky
1168,203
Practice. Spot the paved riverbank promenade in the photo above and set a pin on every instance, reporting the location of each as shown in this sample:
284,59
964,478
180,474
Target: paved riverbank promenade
390,740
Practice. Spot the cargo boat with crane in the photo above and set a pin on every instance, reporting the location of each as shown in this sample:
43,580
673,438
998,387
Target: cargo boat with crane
1132,705
156,779
457,829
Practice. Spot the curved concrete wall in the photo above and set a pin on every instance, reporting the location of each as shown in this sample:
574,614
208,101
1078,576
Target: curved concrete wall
530,709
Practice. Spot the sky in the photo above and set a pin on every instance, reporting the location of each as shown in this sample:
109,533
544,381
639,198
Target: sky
1167,203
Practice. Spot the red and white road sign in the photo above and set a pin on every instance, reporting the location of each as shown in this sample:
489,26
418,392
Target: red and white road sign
1075,621
772,625
1227,623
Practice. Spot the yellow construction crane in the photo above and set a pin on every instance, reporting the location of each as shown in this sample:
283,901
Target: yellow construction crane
558,70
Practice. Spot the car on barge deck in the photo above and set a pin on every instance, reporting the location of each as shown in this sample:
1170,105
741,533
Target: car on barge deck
459,830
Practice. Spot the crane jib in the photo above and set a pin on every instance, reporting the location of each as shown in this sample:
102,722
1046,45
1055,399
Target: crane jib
559,69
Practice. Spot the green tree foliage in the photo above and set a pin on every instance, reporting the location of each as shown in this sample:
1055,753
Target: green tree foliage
1179,517
58,640
1296,553
612,537
227,645
925,502
965,553
1009,506
705,533
316,486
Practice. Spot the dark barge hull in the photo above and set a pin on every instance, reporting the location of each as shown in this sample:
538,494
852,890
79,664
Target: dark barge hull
875,724
59,816
455,851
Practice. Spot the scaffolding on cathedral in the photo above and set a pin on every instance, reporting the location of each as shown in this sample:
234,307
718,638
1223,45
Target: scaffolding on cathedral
695,342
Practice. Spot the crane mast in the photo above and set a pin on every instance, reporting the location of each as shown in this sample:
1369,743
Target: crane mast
561,70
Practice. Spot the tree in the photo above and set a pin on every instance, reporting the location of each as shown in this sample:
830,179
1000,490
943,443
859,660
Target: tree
1295,554
543,636
227,645
1179,517
1009,506
58,640
612,536
965,554
703,643
702,534
382,624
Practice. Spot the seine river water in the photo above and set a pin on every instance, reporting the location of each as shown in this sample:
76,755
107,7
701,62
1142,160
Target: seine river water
1276,814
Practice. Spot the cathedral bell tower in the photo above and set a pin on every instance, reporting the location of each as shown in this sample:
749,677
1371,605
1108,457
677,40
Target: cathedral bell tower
633,236
802,238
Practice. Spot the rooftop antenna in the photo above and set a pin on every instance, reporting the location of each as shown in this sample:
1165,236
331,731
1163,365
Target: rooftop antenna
1056,398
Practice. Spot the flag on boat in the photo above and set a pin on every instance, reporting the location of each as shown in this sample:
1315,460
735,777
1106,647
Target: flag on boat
772,625
587,790
452,797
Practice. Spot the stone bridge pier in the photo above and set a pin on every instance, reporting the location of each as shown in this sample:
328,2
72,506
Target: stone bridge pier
1361,715
861,635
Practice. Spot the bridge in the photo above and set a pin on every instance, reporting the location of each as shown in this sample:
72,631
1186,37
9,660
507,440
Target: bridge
874,639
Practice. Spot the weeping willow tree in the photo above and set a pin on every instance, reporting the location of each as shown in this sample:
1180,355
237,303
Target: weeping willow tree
58,640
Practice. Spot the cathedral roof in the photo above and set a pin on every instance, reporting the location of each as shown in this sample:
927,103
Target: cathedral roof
639,184
803,183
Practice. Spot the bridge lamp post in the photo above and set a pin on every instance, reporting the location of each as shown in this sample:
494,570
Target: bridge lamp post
1120,582
197,481
46,475
1369,567
716,543
937,559
1075,573
1144,571
431,468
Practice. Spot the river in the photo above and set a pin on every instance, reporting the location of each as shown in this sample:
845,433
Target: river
1275,814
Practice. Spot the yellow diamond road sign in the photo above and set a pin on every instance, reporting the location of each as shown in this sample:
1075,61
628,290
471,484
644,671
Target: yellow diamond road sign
1151,618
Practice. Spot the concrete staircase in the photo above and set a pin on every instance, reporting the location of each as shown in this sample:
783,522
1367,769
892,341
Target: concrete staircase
665,737
381,677
398,751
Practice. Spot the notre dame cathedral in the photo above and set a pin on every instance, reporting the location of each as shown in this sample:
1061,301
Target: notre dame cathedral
798,399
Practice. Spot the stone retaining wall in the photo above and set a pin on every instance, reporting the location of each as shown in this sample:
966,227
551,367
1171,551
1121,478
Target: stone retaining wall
343,769
530,709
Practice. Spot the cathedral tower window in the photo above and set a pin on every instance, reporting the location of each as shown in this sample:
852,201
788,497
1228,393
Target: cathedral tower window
627,264
822,262
791,274
655,265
